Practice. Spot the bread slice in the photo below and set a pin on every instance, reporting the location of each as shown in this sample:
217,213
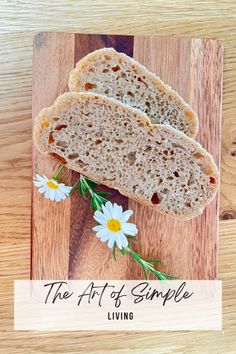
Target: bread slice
116,75
118,146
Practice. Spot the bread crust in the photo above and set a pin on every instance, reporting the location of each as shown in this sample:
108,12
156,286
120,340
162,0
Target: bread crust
67,99
83,66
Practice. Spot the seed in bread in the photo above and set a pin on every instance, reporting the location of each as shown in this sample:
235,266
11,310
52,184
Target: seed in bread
118,146
116,75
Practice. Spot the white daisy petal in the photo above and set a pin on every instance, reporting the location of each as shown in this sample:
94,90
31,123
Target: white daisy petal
43,189
103,232
52,194
111,240
117,211
100,217
126,215
124,241
106,212
118,240
129,228
66,189
47,194
109,208
58,196
105,237
62,196
98,228
38,183
40,178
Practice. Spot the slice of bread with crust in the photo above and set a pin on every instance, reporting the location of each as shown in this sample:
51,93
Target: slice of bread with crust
118,146
116,75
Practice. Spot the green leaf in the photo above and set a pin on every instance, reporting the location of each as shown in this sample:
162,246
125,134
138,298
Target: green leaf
91,180
91,183
122,251
103,193
145,274
83,190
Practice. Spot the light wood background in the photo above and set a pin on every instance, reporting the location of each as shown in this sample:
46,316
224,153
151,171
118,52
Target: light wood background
19,21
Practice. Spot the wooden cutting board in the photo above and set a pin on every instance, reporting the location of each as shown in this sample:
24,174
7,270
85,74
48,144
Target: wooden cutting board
63,245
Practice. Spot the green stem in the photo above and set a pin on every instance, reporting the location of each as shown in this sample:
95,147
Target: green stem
89,189
91,192
148,267
75,186
59,171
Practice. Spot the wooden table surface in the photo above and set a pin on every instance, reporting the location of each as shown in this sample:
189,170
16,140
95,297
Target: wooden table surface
19,21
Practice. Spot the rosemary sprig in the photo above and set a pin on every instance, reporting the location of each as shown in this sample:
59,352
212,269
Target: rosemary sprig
86,186
147,266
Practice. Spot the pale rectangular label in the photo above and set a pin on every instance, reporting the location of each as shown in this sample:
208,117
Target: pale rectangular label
117,305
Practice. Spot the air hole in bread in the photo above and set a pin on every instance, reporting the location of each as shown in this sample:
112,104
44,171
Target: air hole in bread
98,141
107,57
176,174
105,70
141,80
62,144
166,191
190,180
212,180
188,205
119,141
131,158
156,199
178,146
116,68
130,93
106,91
60,127
57,157
148,148
198,155
90,125
73,156
51,138
89,86
141,124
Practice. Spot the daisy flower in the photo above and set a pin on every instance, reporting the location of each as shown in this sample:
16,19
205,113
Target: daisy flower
113,225
51,188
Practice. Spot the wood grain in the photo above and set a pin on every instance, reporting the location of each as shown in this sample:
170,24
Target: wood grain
77,253
193,67
156,17
53,60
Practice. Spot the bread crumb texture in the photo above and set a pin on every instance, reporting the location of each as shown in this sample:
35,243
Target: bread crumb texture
116,75
119,147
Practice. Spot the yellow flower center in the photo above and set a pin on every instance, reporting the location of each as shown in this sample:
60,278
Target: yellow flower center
51,185
113,225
